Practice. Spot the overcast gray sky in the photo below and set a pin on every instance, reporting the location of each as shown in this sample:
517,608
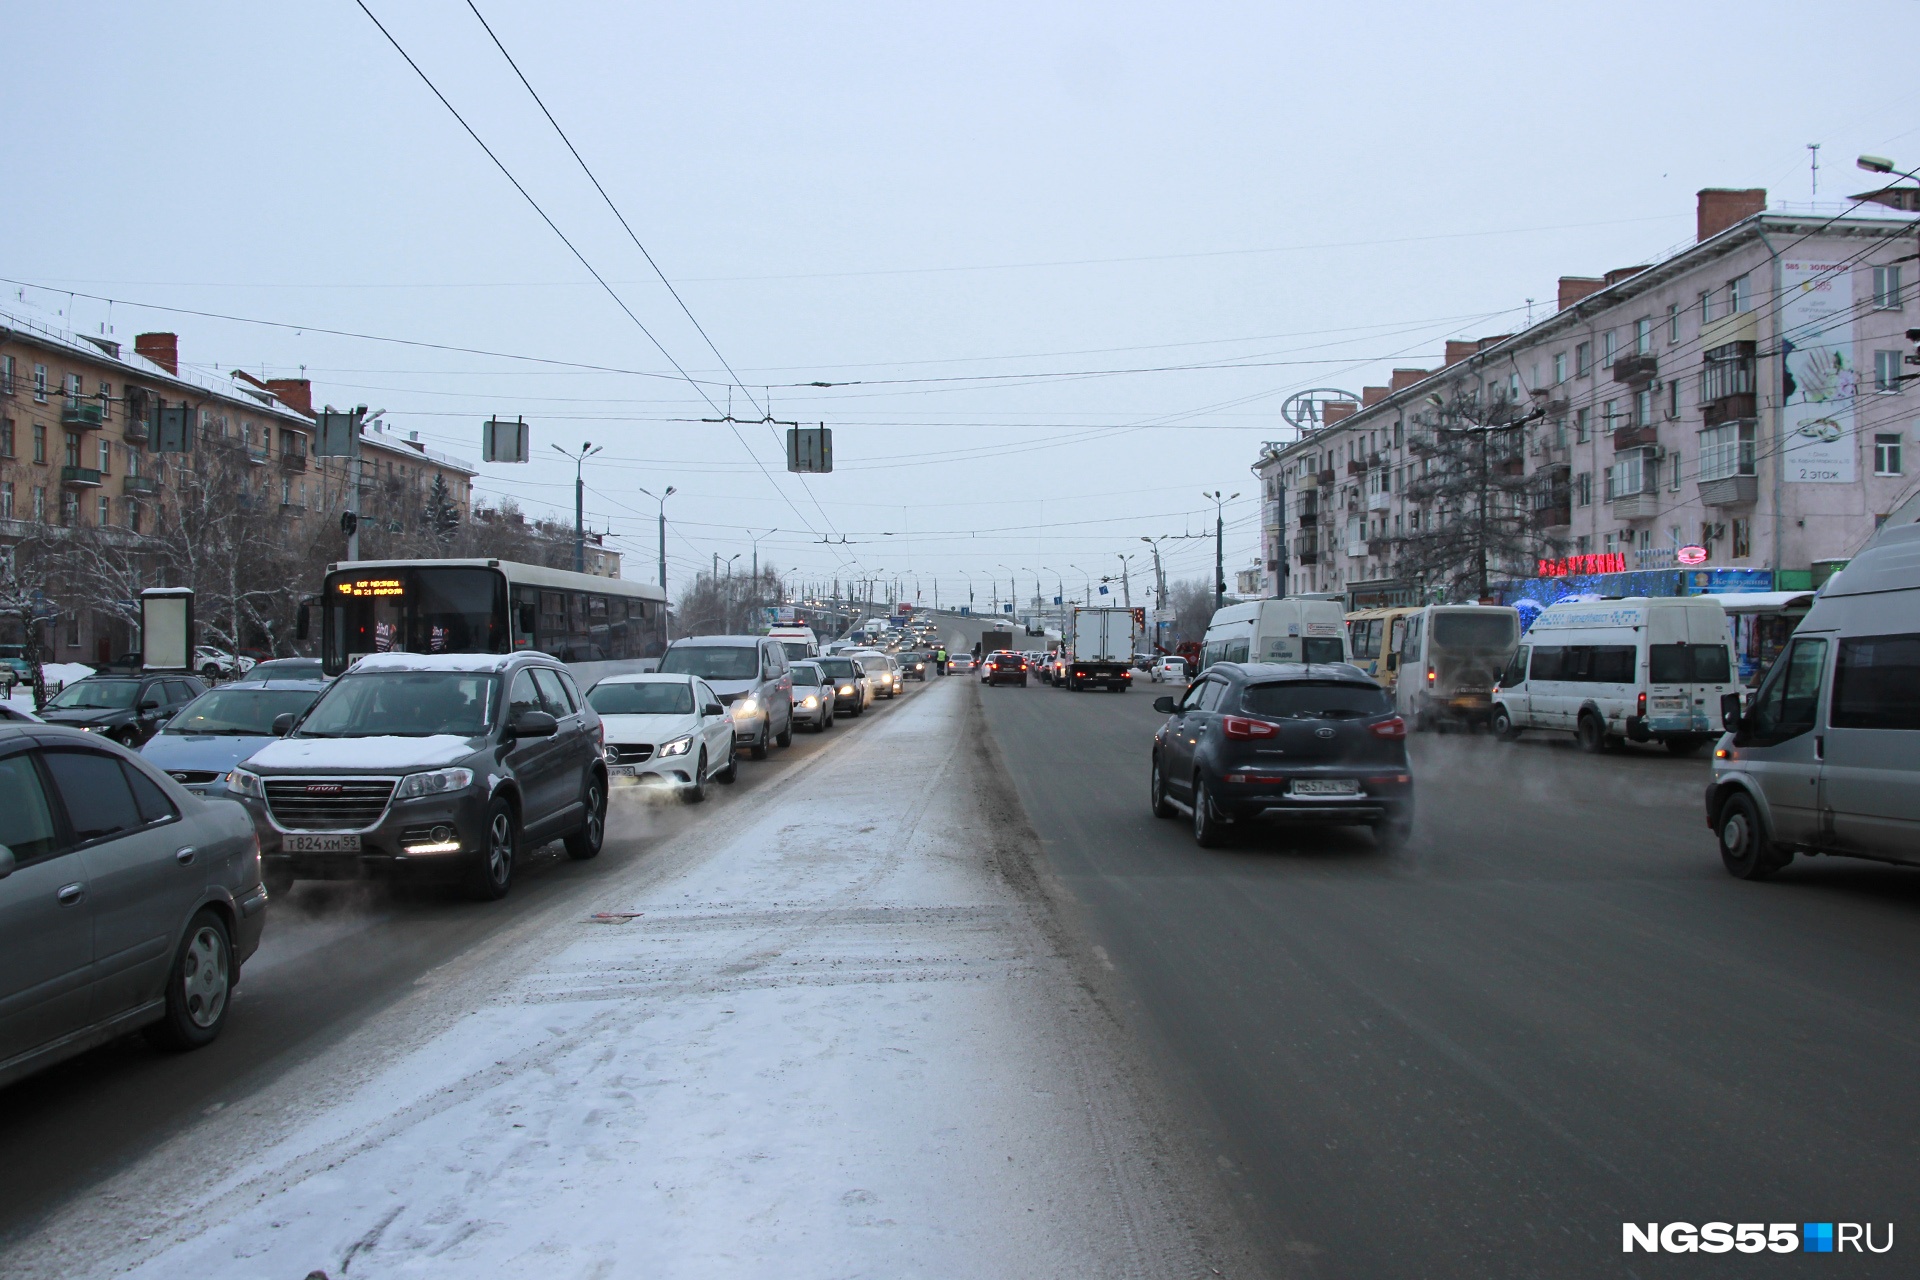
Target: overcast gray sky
923,200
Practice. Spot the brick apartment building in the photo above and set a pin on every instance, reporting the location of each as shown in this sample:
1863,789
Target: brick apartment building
1662,416
81,427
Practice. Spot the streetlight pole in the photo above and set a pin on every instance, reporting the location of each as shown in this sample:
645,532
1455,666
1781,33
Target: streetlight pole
1126,584
662,500
587,450
1219,547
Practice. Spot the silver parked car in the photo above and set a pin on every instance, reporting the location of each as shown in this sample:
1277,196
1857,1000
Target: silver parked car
1826,757
126,902
750,676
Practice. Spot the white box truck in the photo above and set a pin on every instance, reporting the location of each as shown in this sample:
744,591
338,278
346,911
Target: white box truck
1101,646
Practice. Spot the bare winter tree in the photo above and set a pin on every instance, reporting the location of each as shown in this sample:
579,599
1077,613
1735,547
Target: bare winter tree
27,591
1474,501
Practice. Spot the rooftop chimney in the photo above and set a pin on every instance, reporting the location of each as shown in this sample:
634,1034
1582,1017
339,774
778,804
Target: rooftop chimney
161,348
295,393
1458,351
1574,288
1618,274
1721,207
1336,410
1370,396
1404,378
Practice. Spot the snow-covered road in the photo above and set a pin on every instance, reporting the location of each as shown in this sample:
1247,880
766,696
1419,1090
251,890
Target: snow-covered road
839,1037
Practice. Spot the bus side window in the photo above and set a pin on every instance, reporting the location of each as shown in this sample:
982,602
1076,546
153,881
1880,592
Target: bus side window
526,617
553,623
1396,637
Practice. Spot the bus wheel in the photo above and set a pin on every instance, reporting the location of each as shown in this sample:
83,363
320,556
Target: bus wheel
1744,848
1503,725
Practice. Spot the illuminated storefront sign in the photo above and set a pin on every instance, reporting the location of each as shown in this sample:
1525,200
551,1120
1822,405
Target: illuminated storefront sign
365,587
1567,566
1691,555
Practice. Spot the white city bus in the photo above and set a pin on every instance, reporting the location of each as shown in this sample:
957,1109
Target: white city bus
599,626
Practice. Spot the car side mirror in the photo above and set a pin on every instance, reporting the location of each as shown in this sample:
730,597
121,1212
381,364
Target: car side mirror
6,862
713,709
1165,706
283,724
534,724
148,707
1730,713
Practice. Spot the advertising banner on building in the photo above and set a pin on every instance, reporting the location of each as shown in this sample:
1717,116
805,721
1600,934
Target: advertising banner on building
1819,382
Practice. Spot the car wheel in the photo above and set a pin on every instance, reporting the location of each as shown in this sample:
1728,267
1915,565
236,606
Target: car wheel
1157,791
1393,834
128,737
1591,733
1503,725
492,872
1744,848
1686,746
1209,829
696,791
210,673
786,735
199,986
585,843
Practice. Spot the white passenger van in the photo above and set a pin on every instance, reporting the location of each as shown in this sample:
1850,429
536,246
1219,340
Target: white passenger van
1645,669
1826,757
1450,657
1290,629
799,642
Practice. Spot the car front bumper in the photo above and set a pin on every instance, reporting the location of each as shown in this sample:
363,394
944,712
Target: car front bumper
401,843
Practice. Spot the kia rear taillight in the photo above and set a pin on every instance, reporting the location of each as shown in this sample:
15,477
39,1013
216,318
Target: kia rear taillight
1247,727
1393,728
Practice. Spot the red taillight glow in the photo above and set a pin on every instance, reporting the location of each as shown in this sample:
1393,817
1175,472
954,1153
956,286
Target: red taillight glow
1429,675
1640,703
1394,728
1246,727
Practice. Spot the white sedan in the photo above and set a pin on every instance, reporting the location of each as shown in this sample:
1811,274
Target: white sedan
1167,670
665,730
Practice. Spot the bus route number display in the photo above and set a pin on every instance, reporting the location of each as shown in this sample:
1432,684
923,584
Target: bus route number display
361,588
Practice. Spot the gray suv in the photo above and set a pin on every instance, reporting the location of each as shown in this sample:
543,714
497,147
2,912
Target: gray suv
437,766
750,676
126,903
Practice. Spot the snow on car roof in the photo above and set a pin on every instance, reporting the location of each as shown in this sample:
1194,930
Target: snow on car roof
646,677
433,661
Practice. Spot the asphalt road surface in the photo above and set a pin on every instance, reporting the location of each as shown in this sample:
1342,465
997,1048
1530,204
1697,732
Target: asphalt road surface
1552,1014
332,955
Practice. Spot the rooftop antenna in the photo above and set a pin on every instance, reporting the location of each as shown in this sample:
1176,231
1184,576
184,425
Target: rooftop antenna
1813,159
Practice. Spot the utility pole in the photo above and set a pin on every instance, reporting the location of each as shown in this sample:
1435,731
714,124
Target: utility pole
662,500
1219,548
587,450
1126,586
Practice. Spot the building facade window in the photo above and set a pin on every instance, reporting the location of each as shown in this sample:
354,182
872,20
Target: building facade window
1642,337
105,516
1559,367
1673,323
106,402
40,444
1742,539
1887,460
1583,489
1609,416
1673,398
1727,450
1886,372
1886,288
1583,545
73,448
69,509
1583,359
6,438
6,500
73,391
6,375
1740,293
1609,347
1706,306
40,383
1643,408
40,504
106,458
1582,425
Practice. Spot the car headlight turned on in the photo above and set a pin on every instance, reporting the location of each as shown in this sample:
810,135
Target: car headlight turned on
810,701
433,782
745,707
244,783
678,747
847,689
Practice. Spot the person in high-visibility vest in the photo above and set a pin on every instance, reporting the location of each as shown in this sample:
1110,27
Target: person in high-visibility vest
940,660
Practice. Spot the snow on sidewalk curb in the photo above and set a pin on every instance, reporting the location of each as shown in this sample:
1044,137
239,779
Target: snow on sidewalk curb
836,1043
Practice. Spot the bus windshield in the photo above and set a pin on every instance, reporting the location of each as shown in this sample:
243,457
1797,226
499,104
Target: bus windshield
427,609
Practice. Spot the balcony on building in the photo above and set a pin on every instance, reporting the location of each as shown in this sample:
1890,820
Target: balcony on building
293,459
80,477
1635,437
1729,474
1636,369
81,415
1326,478
1356,466
1379,546
134,486
1382,501
1306,549
135,430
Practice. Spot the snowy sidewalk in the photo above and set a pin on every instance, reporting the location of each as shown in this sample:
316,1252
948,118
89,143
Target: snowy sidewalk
835,1042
